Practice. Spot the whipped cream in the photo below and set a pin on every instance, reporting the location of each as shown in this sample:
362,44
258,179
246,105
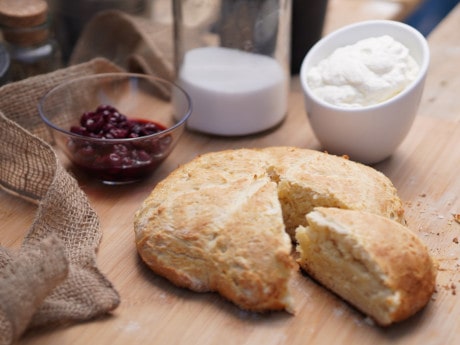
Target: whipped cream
368,72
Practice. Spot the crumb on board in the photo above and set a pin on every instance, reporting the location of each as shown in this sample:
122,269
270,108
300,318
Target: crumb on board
452,288
456,217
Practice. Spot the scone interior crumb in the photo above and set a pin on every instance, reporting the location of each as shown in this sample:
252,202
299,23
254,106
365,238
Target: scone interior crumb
297,201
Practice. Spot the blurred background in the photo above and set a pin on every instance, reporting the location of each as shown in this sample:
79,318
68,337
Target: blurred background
43,39
429,13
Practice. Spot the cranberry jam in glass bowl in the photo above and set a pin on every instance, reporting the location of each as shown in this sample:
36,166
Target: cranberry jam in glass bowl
116,127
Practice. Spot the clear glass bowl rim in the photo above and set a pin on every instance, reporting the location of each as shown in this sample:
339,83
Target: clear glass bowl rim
119,75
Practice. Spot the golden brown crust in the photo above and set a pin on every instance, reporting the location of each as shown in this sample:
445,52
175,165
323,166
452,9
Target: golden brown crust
392,271
217,222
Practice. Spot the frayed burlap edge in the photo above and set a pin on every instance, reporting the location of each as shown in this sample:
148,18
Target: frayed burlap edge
65,223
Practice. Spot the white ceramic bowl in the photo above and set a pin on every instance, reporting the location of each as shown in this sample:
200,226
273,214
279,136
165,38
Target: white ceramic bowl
372,133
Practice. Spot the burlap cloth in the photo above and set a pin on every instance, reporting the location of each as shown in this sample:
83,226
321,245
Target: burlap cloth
136,44
53,278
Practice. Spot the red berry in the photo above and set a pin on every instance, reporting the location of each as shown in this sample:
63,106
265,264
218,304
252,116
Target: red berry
123,160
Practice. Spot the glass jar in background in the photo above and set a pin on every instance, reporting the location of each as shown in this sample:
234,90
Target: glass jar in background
28,40
233,57
70,17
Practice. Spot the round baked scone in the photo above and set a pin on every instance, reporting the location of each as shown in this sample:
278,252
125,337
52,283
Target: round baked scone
218,222
376,264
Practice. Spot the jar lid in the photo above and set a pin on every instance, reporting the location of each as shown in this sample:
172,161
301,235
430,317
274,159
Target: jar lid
24,21
23,13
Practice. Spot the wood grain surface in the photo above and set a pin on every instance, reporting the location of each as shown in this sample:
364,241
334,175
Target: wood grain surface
425,169
153,311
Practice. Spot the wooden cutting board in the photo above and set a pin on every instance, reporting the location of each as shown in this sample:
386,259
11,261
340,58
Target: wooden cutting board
425,169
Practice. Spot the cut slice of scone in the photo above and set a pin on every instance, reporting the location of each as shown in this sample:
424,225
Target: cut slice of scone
376,264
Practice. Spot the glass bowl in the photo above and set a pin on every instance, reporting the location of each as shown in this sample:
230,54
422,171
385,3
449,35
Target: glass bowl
117,127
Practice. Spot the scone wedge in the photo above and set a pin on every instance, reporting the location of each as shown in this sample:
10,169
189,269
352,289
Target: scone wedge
376,264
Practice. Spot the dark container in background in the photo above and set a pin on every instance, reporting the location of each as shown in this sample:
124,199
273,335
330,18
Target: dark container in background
4,64
308,18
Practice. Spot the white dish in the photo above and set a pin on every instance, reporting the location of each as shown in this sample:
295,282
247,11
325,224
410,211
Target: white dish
372,133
